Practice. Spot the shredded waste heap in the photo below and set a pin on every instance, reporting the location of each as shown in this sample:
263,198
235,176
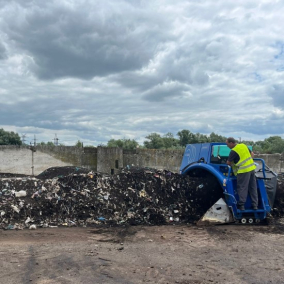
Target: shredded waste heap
71,196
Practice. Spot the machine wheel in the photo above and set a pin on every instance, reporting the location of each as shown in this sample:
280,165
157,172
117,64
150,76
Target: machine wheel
243,220
257,220
250,220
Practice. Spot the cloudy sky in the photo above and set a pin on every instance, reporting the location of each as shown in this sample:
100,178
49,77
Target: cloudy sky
93,70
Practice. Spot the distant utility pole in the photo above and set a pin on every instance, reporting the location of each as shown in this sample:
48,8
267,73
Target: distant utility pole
34,140
23,138
56,140
33,149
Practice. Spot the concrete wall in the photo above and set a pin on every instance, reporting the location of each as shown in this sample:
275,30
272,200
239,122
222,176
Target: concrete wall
18,159
80,157
273,161
110,160
152,158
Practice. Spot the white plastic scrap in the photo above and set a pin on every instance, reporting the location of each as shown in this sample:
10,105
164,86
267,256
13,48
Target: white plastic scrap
21,193
15,208
106,196
28,220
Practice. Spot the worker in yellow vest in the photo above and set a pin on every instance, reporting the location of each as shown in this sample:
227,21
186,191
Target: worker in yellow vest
241,161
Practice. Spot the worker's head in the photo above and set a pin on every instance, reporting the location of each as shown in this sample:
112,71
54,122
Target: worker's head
231,142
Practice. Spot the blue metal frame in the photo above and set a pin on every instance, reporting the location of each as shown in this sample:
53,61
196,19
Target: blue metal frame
198,156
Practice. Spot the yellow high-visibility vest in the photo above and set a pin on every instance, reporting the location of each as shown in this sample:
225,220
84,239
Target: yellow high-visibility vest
246,163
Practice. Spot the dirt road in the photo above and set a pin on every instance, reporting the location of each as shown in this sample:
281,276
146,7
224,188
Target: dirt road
182,254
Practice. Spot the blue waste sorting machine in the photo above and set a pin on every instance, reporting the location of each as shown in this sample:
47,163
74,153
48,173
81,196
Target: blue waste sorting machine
211,158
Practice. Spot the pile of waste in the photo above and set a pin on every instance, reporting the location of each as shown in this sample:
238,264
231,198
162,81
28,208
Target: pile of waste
71,196
61,172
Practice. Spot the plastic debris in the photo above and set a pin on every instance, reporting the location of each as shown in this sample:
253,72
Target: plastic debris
101,219
21,193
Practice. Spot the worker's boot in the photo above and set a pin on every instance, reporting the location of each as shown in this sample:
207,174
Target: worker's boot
254,207
241,207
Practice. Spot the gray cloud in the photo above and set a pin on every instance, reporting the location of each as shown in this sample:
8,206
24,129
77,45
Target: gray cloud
84,41
169,90
276,92
2,51
96,70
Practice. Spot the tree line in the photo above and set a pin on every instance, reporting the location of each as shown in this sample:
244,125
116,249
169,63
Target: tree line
271,145
167,141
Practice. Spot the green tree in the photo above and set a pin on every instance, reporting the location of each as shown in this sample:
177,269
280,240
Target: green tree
155,141
187,137
201,138
79,144
49,143
213,137
123,143
115,143
169,141
257,148
9,138
271,145
275,144
130,144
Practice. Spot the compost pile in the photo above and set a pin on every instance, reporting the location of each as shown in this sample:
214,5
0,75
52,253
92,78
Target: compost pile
71,196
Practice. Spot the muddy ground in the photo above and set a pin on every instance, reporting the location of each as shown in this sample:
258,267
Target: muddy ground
182,254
